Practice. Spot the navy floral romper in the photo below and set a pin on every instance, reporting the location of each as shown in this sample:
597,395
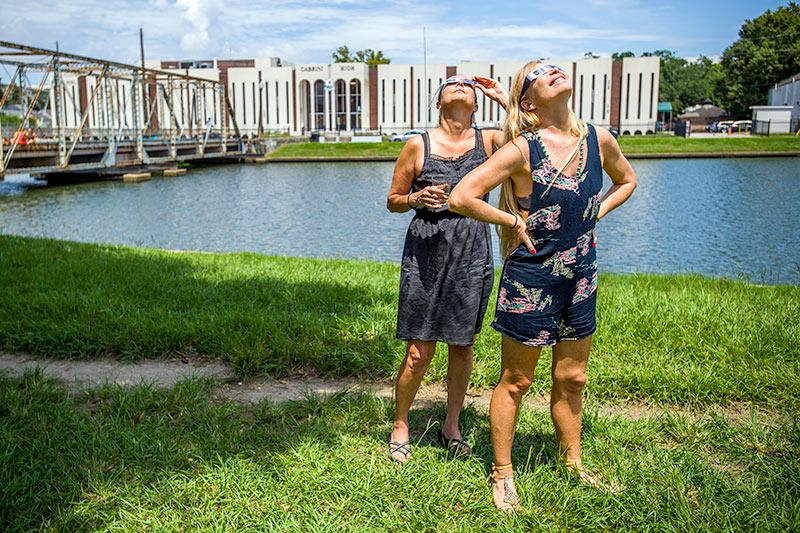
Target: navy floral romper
550,296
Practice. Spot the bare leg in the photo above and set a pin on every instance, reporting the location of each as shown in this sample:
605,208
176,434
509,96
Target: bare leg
459,367
418,358
518,365
566,398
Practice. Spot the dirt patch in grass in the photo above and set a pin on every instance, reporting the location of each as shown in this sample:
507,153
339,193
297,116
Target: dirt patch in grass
82,374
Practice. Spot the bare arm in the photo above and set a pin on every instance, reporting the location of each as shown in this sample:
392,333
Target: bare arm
510,161
405,170
619,170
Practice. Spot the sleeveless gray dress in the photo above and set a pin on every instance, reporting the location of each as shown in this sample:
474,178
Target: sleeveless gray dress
447,270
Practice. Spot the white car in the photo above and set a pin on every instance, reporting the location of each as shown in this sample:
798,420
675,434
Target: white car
403,137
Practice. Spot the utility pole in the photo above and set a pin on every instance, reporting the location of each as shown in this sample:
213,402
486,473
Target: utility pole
425,76
145,102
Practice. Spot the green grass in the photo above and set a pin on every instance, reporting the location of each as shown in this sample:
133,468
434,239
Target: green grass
142,459
660,338
10,120
668,144
630,145
381,149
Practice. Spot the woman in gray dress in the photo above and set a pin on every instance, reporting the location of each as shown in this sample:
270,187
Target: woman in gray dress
447,269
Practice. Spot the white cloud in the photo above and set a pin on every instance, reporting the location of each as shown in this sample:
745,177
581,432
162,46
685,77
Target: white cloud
199,14
308,31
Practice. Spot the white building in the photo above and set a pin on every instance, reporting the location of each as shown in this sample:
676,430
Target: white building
787,93
268,96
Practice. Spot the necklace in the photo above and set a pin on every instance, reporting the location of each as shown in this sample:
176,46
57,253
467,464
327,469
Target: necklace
581,152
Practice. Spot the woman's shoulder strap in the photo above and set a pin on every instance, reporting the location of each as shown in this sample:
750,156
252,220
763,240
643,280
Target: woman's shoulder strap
533,148
479,146
592,140
426,141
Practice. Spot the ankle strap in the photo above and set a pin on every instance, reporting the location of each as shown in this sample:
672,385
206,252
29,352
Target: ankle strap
502,467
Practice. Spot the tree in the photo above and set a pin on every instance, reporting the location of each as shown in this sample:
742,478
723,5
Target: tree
368,56
685,83
620,55
767,51
342,55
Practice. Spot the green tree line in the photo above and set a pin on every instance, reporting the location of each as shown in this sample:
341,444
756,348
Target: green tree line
766,52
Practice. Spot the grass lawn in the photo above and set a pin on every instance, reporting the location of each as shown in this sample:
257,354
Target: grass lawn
143,459
630,145
669,144
661,338
381,149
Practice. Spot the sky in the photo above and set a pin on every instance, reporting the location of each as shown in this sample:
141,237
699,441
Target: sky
308,31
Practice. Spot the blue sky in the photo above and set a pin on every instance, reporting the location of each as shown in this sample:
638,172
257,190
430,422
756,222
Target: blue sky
307,31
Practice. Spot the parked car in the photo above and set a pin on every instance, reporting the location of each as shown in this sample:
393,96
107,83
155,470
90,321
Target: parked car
712,128
742,126
403,137
723,125
614,132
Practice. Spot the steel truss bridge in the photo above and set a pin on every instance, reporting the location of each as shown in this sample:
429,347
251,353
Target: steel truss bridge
78,113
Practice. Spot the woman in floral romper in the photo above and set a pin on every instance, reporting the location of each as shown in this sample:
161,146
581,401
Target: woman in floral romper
551,171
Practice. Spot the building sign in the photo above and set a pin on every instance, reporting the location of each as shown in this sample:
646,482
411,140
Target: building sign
315,68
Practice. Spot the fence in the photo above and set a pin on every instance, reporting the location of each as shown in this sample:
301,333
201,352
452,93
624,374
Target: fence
775,127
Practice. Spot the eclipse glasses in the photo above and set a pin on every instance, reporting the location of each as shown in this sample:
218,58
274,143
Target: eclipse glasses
536,73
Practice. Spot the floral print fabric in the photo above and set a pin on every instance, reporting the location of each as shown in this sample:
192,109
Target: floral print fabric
550,295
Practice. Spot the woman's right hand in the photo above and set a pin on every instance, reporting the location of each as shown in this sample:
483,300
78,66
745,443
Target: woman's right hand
432,197
521,235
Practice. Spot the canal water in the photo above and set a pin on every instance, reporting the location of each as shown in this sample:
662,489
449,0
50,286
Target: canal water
737,218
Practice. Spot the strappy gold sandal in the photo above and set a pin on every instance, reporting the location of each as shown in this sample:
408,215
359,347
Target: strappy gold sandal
509,502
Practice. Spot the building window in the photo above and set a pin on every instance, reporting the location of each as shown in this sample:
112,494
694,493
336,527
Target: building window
244,106
253,84
394,101
277,105
652,90
591,112
605,93
341,105
483,108
383,100
286,86
639,106
355,104
429,103
580,99
419,99
266,101
627,96
404,101
319,105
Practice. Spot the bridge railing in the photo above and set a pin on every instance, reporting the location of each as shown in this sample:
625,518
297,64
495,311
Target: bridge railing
70,102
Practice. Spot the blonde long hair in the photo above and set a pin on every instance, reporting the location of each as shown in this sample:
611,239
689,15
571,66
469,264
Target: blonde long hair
518,121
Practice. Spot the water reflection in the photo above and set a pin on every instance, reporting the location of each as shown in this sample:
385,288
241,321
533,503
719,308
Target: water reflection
723,217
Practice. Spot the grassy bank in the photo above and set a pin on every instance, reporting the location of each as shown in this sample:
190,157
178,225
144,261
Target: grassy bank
381,149
660,338
151,460
629,144
672,145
